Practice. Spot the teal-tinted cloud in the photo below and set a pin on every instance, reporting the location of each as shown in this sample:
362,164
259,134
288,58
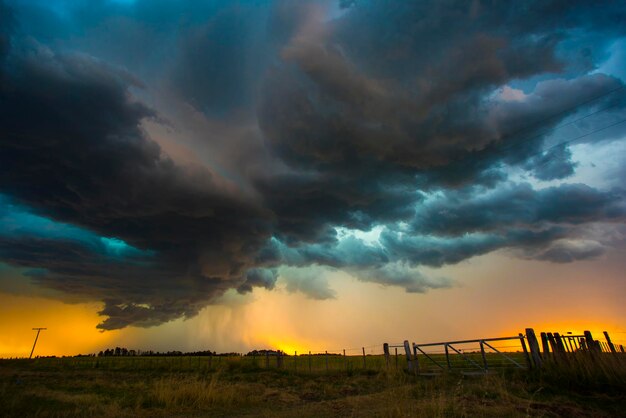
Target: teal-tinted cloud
400,117
18,222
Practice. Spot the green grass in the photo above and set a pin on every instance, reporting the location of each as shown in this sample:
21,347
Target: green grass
163,387
301,363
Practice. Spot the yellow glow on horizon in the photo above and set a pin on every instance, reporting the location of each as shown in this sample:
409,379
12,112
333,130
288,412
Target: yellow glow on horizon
271,322
287,347
71,328
496,296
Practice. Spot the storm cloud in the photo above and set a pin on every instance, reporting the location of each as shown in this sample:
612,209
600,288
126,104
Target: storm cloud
365,136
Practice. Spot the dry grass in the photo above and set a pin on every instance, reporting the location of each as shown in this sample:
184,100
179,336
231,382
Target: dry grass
581,387
176,392
583,369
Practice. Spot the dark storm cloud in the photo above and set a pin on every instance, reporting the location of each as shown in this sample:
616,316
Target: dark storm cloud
401,86
393,116
438,251
413,35
366,166
213,53
88,123
309,205
219,62
317,126
135,291
6,27
223,61
554,164
259,277
519,205
419,116
73,150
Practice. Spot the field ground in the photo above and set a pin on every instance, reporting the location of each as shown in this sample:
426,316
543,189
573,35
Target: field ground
232,387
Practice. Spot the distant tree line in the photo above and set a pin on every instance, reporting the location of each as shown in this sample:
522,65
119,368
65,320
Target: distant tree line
124,352
116,352
264,352
282,353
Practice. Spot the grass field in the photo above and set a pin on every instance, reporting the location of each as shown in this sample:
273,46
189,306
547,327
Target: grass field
187,386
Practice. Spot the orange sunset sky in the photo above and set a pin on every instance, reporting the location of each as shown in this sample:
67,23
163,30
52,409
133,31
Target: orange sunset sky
493,296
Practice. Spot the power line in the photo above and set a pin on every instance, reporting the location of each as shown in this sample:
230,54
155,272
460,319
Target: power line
569,141
563,112
522,141
36,338
572,122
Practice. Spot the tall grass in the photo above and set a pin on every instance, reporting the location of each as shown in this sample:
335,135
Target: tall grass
575,385
584,369
194,392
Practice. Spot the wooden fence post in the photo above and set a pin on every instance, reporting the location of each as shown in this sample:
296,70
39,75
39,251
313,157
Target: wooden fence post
523,343
386,351
591,344
552,341
416,361
309,361
364,363
447,356
326,356
345,359
482,353
609,342
295,361
559,340
407,350
556,339
533,345
559,343
545,345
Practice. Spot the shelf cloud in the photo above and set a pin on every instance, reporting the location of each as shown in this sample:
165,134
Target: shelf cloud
308,125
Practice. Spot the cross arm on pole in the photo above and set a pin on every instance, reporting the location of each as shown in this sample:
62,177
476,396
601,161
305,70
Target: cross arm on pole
36,338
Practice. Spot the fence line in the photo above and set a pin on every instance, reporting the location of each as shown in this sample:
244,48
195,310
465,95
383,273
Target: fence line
470,356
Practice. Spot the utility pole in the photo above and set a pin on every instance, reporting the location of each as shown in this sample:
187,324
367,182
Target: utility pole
35,343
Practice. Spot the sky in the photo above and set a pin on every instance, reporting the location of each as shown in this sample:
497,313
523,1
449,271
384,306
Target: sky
309,175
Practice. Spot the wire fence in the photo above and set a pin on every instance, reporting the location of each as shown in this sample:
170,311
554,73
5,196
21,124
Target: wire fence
468,356
313,362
